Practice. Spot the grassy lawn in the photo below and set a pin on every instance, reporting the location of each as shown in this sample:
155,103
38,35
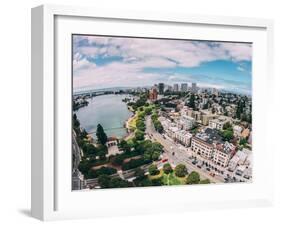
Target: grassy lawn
132,122
170,179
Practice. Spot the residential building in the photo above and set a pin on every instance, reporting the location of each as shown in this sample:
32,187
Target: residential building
242,157
223,152
237,130
183,137
171,132
246,133
186,122
202,145
206,116
189,112
197,115
209,147
219,122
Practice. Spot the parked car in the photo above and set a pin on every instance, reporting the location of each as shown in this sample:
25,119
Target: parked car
164,160
194,162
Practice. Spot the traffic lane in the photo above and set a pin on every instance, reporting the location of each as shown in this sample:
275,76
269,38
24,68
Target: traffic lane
170,148
183,158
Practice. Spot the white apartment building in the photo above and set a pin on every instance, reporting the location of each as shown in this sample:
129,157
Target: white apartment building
209,148
186,122
201,148
223,153
219,122
172,131
237,130
183,137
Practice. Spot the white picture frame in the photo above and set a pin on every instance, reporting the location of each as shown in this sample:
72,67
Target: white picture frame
51,200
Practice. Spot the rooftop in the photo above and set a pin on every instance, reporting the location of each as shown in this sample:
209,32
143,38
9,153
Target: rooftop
210,136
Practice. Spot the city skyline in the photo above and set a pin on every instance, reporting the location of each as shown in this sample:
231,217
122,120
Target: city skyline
107,62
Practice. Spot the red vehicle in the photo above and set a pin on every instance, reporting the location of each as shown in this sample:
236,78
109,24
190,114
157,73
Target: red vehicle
164,160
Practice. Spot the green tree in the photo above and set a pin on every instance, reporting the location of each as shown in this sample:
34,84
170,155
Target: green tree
102,151
193,178
180,170
155,155
140,125
139,173
89,149
148,110
152,151
76,122
227,135
124,146
139,135
119,183
191,102
240,108
118,159
167,168
227,126
101,135
158,126
104,181
153,170
243,141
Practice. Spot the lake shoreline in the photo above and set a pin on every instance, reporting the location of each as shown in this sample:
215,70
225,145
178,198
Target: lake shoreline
111,112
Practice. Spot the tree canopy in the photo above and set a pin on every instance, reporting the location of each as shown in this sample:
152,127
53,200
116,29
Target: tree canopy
101,135
167,168
193,178
153,170
180,170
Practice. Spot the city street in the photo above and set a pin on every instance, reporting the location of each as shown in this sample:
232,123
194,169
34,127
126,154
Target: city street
175,153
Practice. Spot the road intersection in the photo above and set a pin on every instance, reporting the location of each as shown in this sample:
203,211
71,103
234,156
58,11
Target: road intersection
175,153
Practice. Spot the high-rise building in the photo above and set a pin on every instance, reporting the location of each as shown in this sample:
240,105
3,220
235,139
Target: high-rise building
193,87
169,88
176,88
184,87
161,88
153,94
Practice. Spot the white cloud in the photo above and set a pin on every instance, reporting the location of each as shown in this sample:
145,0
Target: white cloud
239,68
238,51
138,54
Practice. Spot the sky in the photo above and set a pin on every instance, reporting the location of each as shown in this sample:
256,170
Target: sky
106,62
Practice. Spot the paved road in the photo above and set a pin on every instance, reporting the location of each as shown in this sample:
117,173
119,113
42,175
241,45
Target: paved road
180,153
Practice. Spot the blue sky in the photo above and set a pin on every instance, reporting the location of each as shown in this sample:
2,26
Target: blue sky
104,62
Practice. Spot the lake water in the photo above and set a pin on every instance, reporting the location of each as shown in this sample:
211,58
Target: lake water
109,111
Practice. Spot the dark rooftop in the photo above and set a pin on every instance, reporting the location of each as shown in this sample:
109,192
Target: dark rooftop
210,136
